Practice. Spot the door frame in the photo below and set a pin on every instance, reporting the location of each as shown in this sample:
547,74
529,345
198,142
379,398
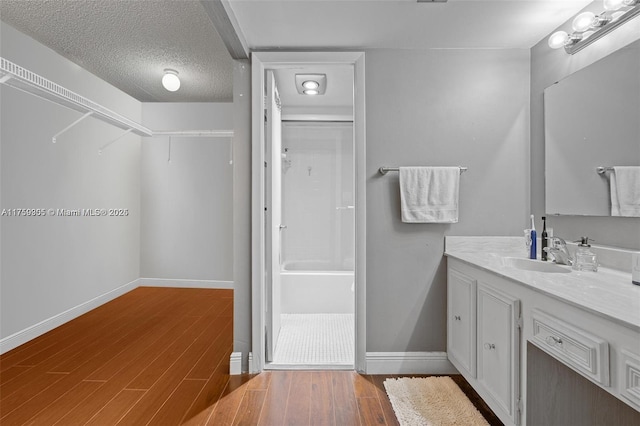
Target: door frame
260,61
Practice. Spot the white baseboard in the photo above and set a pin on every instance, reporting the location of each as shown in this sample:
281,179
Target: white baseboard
409,363
235,363
165,282
29,333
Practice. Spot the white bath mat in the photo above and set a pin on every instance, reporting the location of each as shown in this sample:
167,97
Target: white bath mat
315,339
431,401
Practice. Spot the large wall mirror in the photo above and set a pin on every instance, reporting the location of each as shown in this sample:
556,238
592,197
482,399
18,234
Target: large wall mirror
592,119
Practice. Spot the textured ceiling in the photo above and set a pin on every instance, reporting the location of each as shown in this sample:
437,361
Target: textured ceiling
400,24
129,43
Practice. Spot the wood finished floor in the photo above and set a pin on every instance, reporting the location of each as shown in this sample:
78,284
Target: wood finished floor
160,356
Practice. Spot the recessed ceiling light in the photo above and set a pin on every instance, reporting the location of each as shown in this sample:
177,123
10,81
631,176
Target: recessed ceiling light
170,80
311,84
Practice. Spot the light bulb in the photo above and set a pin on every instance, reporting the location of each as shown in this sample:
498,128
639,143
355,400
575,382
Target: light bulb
170,80
558,39
310,92
310,84
613,4
617,4
584,21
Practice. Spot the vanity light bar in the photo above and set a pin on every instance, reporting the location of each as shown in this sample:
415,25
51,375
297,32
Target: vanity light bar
600,25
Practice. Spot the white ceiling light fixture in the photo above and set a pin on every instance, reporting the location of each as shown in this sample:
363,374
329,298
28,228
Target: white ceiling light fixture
311,84
589,27
170,80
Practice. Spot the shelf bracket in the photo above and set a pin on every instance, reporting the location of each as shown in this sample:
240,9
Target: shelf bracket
103,147
54,138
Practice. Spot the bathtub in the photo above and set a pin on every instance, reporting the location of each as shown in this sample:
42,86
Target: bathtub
315,292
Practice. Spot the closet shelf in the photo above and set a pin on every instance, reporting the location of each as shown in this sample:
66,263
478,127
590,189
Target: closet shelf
22,79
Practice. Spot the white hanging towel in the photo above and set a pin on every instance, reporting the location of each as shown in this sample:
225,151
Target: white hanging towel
624,184
429,194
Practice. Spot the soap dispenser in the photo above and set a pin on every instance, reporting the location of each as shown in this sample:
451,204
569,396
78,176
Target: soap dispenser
585,259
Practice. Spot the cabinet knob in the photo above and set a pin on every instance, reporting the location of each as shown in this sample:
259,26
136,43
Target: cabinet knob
489,346
553,341
457,317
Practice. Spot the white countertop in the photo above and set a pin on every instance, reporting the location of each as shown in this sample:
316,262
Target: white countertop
608,292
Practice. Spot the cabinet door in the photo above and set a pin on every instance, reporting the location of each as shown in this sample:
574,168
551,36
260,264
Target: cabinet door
498,349
461,314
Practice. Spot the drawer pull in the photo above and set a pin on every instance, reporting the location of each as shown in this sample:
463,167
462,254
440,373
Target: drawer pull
489,346
457,317
553,341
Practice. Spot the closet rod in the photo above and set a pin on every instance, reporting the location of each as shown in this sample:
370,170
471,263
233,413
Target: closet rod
22,79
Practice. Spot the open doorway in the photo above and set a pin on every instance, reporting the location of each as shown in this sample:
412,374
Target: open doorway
309,229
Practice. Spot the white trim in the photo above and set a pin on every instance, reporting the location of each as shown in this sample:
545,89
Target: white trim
166,282
31,332
251,363
409,363
235,363
279,60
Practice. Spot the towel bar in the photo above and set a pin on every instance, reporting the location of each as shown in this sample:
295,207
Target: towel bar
602,169
384,170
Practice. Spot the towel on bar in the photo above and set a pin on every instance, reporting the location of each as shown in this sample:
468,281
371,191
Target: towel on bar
429,194
624,184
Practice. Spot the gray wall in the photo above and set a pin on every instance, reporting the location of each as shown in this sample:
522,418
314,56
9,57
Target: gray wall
52,264
439,107
187,204
547,67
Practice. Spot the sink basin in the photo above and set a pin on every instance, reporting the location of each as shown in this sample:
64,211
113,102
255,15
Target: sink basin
535,265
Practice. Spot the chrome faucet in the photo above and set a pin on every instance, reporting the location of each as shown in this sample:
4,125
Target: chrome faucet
558,249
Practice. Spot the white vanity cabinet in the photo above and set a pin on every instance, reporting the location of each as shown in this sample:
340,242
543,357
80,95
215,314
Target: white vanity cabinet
483,339
498,349
461,321
543,347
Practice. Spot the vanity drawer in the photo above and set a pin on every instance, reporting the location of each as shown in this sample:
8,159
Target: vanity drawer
582,351
630,380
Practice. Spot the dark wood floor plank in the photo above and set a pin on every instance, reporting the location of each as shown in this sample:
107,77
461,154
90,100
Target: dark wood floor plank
177,342
116,408
205,402
276,398
85,366
370,411
387,409
174,351
225,410
362,386
69,343
174,373
299,400
250,407
260,381
322,403
206,365
139,360
13,372
165,330
66,403
11,404
174,408
344,399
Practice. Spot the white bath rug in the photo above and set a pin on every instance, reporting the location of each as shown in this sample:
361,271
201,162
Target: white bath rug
431,401
315,339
